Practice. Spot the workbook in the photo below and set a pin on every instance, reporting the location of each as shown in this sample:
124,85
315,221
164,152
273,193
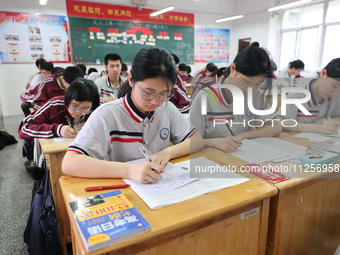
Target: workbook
192,189
106,219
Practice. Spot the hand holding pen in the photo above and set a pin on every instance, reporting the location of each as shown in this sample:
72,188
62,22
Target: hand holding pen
68,130
147,156
233,140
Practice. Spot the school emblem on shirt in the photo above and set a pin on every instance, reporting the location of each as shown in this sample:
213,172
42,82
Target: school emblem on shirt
164,133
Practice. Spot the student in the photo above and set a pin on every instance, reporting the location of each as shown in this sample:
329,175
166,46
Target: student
324,104
250,68
188,72
45,71
116,130
83,68
37,64
291,74
109,85
50,120
179,81
124,73
92,70
55,85
199,75
182,72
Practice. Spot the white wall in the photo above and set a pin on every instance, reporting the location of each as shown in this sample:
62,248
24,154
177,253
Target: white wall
13,77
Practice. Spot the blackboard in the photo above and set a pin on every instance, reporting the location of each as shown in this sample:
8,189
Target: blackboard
92,39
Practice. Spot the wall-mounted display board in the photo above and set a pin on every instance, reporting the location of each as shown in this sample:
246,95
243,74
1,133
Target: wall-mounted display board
211,44
99,29
26,37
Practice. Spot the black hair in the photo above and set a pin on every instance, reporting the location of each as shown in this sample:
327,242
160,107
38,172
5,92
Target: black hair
297,64
176,59
39,61
182,67
113,57
188,69
219,72
211,68
83,90
48,66
92,70
333,68
82,67
151,62
56,69
124,67
255,44
71,73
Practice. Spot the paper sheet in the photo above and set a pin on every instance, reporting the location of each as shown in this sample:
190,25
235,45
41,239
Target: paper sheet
61,139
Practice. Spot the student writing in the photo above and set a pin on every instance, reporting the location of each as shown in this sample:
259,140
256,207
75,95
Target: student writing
250,68
115,131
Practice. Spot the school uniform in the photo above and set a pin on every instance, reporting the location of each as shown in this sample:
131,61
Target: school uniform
180,99
116,130
180,84
223,111
47,121
329,106
198,75
106,89
48,89
204,82
28,96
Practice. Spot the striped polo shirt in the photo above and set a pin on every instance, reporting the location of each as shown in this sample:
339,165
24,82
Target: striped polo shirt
116,130
222,111
329,107
106,89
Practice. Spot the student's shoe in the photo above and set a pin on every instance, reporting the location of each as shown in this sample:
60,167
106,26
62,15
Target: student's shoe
27,149
34,171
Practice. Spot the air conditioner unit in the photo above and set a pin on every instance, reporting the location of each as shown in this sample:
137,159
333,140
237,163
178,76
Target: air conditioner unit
139,2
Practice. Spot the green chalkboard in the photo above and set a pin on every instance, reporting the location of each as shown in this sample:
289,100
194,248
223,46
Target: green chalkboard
92,39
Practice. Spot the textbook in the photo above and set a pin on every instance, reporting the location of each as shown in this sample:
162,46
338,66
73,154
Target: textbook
106,219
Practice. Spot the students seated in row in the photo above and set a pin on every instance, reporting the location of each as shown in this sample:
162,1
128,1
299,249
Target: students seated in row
290,75
45,71
55,85
324,104
109,85
250,68
116,130
51,120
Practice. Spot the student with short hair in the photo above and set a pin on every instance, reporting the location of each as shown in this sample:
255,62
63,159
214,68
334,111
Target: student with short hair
250,68
324,104
83,68
124,72
38,65
45,71
182,72
116,130
50,120
109,85
291,74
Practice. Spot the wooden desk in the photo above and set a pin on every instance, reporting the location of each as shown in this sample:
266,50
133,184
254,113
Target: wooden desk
304,217
54,153
209,224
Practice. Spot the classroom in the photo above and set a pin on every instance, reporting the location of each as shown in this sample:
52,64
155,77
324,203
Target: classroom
257,123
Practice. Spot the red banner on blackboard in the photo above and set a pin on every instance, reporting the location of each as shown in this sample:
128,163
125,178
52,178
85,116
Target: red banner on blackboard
117,12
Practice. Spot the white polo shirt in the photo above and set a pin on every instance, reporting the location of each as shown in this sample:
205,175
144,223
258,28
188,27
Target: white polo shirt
106,89
116,130
222,111
329,107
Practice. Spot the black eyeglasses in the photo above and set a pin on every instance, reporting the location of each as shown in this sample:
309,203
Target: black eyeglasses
148,96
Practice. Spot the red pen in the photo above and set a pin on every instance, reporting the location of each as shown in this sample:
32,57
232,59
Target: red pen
117,186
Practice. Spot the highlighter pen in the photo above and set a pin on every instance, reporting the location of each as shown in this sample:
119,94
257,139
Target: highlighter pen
146,155
117,186
70,123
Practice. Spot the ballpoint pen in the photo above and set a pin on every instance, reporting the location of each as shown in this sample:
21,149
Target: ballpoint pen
146,155
231,132
116,186
70,123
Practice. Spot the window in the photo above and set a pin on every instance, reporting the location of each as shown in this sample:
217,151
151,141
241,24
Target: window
333,11
331,47
302,17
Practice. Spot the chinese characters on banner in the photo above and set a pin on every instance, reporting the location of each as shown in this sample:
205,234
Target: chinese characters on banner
211,44
27,37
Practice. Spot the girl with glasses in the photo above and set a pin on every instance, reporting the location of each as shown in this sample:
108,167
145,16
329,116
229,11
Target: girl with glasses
62,116
219,126
116,130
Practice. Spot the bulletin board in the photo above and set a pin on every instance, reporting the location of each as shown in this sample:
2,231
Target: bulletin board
98,29
26,37
211,44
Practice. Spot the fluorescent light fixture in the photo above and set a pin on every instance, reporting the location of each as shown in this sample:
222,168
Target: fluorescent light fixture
171,7
229,18
284,6
42,2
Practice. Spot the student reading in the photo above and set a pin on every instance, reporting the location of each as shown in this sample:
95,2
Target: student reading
250,68
116,130
324,104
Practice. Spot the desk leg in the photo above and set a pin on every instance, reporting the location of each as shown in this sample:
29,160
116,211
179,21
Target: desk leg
54,165
263,230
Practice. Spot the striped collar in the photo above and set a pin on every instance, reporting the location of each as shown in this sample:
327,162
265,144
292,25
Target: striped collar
134,112
108,83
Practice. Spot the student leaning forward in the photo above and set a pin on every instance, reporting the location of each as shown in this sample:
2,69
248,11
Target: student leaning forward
116,130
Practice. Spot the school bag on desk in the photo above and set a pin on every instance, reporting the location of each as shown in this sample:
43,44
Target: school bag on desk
41,233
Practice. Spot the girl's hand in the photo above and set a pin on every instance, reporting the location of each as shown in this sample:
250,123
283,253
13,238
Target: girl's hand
330,127
79,126
160,158
67,131
146,172
228,144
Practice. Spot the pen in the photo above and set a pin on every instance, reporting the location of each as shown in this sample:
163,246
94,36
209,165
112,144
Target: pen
146,155
117,186
70,123
231,132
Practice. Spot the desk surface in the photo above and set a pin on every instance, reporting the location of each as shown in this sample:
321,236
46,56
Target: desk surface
49,146
176,219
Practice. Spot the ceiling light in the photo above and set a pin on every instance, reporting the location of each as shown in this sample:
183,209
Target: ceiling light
284,6
156,13
229,18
